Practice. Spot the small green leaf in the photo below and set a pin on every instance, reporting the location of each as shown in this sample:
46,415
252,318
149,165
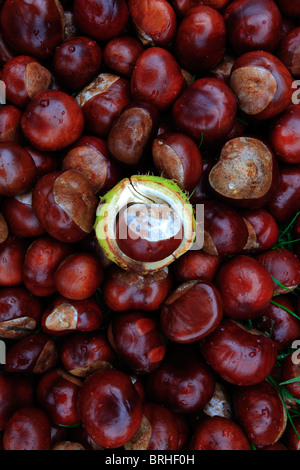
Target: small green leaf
72,426
201,141
285,308
291,381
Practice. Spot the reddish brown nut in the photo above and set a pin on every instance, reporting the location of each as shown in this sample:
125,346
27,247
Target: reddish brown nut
84,353
191,312
35,353
253,25
102,101
78,276
155,22
177,157
65,204
52,120
125,290
10,118
41,261
285,135
262,84
158,430
119,415
20,217
246,287
45,162
290,372
196,265
89,156
77,62
285,201
141,235
20,312
183,382
34,31
289,51
156,78
202,33
246,174
18,170
217,433
136,338
129,136
57,395
194,111
284,267
183,6
121,54
12,254
265,227
277,321
225,229
27,429
261,413
239,356
100,19
64,316
16,391
24,77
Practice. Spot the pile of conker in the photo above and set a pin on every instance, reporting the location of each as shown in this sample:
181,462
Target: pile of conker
128,321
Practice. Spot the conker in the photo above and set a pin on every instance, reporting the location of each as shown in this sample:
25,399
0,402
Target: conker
77,62
261,413
125,290
194,111
246,174
33,30
155,22
110,408
217,433
145,350
156,78
64,316
177,157
253,25
285,135
100,19
239,356
52,120
65,204
202,33
191,312
262,84
246,287
102,101
24,77
90,157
